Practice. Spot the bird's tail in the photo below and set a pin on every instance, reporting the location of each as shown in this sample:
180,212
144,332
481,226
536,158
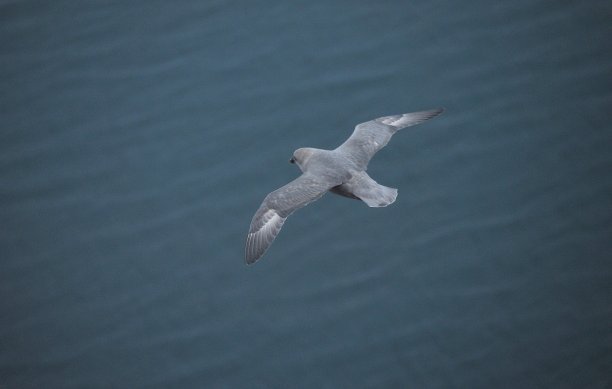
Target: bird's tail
371,192
380,196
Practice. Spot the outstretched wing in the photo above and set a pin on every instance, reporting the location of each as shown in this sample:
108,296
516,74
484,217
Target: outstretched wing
275,209
369,137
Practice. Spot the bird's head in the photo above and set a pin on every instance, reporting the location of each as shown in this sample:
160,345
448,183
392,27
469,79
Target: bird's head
301,156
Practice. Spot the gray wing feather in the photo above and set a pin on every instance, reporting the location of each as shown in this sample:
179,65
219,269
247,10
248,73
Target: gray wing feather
275,209
369,137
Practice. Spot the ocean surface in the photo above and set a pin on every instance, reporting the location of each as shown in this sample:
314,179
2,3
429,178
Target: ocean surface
137,140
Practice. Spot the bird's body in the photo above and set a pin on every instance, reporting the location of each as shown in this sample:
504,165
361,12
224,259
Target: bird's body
341,171
324,163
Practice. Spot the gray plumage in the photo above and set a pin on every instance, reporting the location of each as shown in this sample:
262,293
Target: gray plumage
341,171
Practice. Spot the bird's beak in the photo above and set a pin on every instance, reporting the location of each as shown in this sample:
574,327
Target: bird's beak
292,160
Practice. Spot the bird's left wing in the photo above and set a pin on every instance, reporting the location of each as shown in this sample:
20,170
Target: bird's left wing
275,209
370,137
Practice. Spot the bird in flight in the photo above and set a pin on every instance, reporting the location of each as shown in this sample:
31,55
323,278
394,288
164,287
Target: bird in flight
341,171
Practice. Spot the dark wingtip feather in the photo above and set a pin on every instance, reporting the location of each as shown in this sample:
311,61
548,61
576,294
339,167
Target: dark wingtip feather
254,250
432,112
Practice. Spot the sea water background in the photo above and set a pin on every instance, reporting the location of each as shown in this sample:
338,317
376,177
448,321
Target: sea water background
138,139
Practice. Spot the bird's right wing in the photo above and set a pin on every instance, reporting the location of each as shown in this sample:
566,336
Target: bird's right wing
369,137
275,209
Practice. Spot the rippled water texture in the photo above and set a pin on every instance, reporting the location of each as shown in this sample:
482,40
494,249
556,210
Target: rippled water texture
138,139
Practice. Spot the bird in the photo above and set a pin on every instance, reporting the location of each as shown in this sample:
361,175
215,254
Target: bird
341,171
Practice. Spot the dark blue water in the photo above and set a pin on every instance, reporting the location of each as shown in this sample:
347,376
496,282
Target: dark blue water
137,140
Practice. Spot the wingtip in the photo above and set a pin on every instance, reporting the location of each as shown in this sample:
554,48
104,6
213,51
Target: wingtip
249,261
250,255
431,113
249,258
436,111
